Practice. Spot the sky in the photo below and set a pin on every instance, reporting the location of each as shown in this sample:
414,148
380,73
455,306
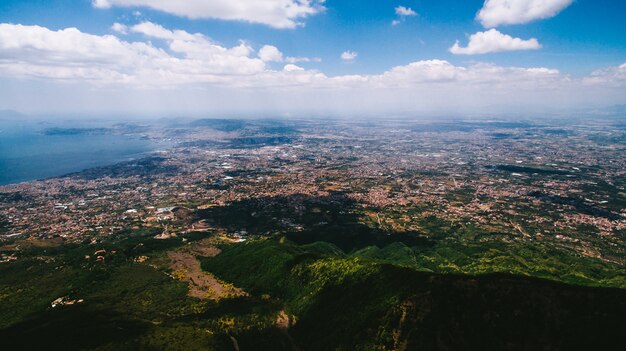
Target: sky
302,58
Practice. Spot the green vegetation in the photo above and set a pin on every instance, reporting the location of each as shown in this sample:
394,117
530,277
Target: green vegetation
356,303
396,253
124,304
343,284
270,259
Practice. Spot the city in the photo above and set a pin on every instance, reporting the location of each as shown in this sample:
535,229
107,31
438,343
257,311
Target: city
490,180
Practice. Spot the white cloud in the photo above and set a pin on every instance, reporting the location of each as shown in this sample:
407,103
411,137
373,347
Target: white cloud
493,41
274,13
405,11
101,4
33,51
611,76
157,31
402,12
41,46
498,12
269,53
292,68
193,58
190,72
120,28
70,54
200,54
291,59
349,56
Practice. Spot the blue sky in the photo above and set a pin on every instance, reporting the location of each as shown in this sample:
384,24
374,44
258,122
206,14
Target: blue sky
584,40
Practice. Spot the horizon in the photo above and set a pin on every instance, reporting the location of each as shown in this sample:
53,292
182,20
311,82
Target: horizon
600,113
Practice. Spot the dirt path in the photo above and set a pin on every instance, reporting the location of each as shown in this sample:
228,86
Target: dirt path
202,285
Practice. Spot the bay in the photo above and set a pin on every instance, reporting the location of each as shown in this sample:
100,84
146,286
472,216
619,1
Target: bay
27,154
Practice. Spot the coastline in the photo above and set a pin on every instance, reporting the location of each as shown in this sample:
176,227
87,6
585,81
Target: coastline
82,154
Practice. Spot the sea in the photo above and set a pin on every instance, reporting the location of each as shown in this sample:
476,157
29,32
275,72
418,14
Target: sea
28,153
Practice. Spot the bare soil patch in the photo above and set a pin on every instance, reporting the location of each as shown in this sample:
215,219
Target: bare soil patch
202,285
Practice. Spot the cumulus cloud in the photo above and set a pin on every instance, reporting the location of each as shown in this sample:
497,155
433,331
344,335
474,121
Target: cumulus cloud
349,56
498,12
119,28
32,51
201,55
72,54
428,72
68,52
194,58
292,68
274,13
189,70
493,41
157,31
269,53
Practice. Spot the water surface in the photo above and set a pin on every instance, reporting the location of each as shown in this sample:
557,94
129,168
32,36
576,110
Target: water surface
29,154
